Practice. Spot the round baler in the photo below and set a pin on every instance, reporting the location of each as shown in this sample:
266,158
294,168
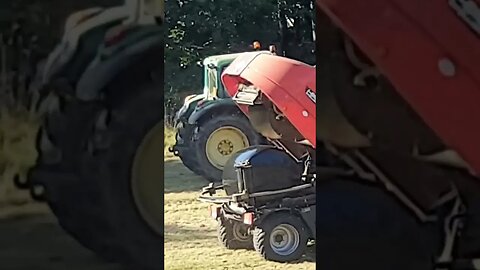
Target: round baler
270,202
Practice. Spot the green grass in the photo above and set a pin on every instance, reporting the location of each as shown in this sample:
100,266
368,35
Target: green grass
190,235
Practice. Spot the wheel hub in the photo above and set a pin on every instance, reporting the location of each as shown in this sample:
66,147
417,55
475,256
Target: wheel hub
240,231
280,240
225,147
224,142
284,239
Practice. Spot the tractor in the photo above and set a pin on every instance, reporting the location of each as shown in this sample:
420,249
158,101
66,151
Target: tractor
210,127
86,135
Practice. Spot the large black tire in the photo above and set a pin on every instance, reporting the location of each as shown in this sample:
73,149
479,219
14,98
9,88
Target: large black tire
273,224
97,206
188,159
206,128
360,226
187,154
233,234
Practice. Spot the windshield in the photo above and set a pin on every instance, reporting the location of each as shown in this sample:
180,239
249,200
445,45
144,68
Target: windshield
221,90
212,82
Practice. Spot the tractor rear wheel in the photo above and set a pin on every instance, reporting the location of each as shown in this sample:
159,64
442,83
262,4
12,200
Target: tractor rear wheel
112,202
218,139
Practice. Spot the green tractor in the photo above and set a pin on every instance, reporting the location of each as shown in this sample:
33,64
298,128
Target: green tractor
210,127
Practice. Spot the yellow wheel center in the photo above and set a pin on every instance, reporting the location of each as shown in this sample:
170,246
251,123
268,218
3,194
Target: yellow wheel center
224,142
147,178
225,147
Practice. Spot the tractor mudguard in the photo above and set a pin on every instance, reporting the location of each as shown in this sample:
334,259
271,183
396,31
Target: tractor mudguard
208,107
309,217
187,108
74,31
290,86
113,60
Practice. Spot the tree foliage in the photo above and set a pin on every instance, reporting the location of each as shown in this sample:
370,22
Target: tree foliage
201,28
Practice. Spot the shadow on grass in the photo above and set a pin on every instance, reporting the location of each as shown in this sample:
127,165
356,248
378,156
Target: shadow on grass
19,212
179,179
174,233
24,239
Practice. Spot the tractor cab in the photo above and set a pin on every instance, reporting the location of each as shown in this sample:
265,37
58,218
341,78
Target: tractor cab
213,69
213,88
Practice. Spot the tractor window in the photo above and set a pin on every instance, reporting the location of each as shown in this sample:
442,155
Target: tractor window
212,82
222,93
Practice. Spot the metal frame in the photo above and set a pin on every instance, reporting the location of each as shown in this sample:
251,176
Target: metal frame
243,196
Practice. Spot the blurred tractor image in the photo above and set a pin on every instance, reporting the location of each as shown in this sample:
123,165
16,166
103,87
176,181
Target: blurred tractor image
387,73
86,135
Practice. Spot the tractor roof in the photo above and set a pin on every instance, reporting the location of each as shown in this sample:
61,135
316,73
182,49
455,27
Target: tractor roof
222,59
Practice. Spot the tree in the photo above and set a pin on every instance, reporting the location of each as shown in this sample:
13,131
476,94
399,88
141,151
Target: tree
200,28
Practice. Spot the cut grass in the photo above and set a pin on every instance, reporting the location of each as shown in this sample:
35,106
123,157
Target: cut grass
190,235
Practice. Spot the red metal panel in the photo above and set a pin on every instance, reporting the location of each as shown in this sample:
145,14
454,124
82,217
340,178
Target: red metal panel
284,81
407,39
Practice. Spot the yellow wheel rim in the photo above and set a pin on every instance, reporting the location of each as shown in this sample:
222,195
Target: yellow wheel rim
147,178
224,142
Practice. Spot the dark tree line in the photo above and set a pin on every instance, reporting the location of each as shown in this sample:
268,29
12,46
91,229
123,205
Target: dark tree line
201,28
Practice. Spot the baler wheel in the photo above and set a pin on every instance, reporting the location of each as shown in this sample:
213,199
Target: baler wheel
233,234
281,237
